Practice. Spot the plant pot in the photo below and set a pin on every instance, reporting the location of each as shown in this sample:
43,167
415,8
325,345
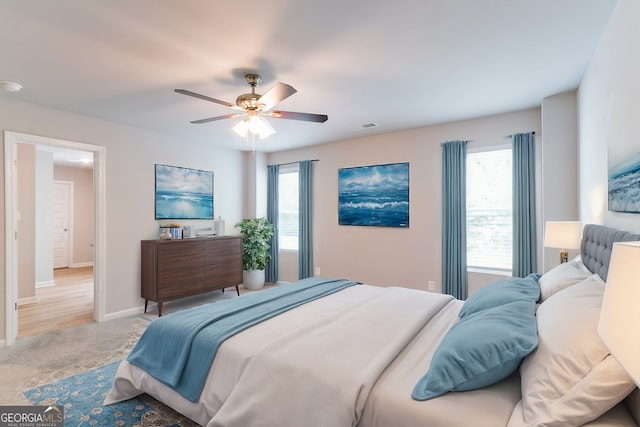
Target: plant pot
253,279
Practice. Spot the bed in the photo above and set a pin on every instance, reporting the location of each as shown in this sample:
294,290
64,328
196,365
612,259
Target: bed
520,352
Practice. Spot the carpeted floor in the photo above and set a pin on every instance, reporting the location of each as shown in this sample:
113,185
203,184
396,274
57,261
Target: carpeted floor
44,359
82,395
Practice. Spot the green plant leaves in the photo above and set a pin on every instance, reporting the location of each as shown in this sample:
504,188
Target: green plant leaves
256,240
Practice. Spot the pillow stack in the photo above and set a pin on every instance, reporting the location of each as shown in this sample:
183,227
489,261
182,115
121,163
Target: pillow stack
571,378
496,331
563,276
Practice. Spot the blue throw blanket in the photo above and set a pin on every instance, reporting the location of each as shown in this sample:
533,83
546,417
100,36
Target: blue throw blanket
178,349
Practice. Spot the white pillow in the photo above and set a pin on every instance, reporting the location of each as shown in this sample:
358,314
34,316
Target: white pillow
571,378
562,276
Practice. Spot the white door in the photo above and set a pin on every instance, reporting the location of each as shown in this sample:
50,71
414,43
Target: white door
60,239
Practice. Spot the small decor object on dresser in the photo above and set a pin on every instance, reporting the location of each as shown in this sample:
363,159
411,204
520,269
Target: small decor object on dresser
170,231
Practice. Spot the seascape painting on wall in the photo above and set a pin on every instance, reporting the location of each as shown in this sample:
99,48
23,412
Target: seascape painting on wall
624,179
374,195
183,193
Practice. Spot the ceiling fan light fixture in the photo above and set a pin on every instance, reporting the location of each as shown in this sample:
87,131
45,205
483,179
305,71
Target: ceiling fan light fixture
255,124
255,107
242,127
10,86
259,125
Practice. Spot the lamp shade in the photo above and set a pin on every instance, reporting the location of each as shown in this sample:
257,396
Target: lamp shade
256,124
562,234
619,325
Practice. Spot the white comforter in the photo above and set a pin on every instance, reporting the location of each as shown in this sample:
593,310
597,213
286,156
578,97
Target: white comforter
307,356
321,375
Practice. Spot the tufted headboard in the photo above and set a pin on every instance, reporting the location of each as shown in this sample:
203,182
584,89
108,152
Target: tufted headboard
597,244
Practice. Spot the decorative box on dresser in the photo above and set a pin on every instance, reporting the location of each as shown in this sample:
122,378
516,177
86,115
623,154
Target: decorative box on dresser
173,269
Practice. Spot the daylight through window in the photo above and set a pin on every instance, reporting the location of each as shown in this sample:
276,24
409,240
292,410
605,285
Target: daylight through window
288,208
489,209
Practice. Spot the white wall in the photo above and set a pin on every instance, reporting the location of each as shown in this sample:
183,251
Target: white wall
609,112
560,166
255,190
44,218
26,246
390,256
130,155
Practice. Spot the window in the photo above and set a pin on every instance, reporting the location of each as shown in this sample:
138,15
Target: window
489,209
288,208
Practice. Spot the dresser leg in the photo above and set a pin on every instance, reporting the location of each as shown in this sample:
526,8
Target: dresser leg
159,309
237,290
146,301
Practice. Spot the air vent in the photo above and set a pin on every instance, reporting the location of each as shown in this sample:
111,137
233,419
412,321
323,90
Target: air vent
362,127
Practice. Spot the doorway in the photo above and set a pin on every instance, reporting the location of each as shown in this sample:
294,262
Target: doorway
13,216
62,209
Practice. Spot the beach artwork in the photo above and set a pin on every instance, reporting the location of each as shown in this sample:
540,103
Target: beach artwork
183,193
374,195
624,180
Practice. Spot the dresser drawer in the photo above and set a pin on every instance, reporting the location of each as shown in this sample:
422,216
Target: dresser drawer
181,287
223,248
178,250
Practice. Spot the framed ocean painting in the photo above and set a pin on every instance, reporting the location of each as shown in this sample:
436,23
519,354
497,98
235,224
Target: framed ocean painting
624,179
374,195
183,193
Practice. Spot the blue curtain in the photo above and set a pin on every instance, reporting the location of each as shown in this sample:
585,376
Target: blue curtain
271,271
305,253
454,218
524,205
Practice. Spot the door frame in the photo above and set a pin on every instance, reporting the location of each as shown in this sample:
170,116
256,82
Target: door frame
11,141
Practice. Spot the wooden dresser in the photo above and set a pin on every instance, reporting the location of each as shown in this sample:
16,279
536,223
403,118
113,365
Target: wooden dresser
173,269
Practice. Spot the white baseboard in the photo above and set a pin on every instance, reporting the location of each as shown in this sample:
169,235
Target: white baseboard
124,313
45,284
282,282
81,264
27,300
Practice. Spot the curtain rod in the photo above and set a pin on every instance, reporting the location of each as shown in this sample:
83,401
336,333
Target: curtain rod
291,163
456,140
509,136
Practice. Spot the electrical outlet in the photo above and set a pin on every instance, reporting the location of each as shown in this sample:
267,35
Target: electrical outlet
317,271
431,285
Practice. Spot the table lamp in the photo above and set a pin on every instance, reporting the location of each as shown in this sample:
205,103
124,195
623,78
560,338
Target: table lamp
562,235
619,325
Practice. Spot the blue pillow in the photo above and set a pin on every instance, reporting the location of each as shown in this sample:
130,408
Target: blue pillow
503,292
480,350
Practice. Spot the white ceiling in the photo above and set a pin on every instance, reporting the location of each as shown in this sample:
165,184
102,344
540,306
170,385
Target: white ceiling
399,64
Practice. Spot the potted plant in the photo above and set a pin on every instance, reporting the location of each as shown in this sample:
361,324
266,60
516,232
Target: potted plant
256,236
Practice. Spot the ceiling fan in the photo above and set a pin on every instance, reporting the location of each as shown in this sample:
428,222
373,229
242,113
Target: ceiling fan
254,107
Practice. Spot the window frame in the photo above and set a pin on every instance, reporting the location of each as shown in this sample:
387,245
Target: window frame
287,169
479,268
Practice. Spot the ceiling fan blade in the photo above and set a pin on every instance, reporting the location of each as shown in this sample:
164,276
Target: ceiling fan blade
276,94
206,98
213,119
307,117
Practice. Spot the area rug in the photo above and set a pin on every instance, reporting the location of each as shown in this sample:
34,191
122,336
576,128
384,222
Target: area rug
82,396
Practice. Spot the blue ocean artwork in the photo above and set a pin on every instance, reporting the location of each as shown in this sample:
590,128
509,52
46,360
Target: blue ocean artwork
374,195
624,186
183,193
